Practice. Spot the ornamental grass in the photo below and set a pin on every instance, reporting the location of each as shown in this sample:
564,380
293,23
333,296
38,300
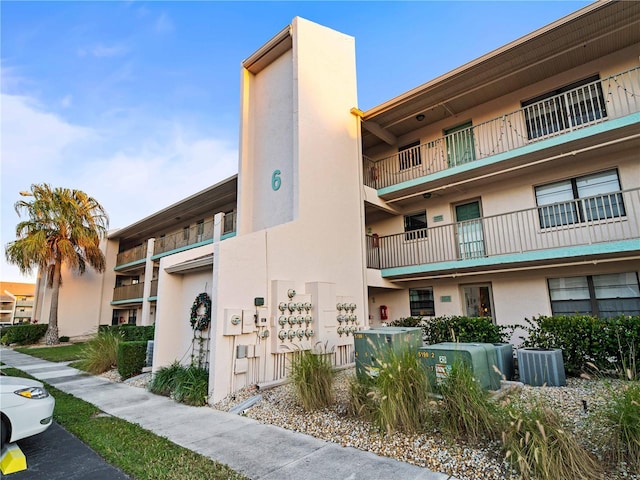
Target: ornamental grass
540,447
313,375
100,354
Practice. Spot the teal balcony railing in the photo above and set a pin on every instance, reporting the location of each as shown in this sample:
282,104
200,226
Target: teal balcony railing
600,219
599,101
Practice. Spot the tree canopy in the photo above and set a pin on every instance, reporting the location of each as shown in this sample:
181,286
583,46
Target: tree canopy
63,226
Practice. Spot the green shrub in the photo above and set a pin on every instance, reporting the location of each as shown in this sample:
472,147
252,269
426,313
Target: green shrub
541,448
131,333
163,382
463,329
610,344
400,393
189,385
406,322
23,334
465,409
101,352
312,374
623,416
192,386
131,358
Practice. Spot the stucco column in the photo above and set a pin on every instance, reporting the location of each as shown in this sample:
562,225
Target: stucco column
146,289
215,329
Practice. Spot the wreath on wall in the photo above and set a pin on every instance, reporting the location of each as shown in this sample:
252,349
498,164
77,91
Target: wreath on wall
200,321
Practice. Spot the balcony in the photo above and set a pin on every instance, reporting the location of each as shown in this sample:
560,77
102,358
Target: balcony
229,223
131,255
598,225
128,292
187,237
154,288
596,102
193,236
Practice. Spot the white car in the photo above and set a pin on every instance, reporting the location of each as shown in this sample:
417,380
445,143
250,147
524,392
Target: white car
26,408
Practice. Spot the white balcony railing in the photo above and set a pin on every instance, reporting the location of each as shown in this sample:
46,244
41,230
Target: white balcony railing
612,97
586,221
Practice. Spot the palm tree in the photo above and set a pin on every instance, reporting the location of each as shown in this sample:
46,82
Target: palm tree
64,227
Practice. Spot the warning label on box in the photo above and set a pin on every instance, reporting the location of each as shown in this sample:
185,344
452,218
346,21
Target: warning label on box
442,372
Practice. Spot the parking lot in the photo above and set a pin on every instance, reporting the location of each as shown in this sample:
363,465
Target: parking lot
58,455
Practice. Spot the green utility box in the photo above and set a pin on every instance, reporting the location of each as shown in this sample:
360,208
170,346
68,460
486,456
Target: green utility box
506,365
371,345
480,357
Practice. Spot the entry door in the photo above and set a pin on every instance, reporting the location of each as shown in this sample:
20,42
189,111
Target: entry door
477,300
469,231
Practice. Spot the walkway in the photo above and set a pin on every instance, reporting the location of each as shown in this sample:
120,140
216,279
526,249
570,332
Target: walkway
259,451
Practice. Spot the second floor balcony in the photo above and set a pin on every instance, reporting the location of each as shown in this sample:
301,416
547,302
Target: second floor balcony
588,227
128,292
591,103
132,255
193,236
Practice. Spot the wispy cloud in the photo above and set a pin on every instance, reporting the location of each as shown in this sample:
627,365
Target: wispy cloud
66,101
164,24
132,176
103,51
33,138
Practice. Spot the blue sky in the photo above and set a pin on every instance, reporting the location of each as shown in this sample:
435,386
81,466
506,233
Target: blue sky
137,103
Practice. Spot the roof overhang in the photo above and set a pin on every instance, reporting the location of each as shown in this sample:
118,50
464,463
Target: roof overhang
221,197
590,33
189,266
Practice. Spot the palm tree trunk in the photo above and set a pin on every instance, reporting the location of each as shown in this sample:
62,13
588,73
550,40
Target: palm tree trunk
52,337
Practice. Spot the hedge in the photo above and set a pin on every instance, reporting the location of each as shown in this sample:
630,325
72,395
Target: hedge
23,334
131,358
611,344
460,329
132,333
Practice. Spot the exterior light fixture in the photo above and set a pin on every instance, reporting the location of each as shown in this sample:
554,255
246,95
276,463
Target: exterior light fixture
420,117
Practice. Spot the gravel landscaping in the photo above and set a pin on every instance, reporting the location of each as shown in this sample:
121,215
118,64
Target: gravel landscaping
430,450
483,460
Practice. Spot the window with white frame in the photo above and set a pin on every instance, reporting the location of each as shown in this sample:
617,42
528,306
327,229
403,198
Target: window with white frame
582,199
421,302
603,296
415,225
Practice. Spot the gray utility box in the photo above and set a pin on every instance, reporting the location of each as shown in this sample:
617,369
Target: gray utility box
372,345
505,364
540,366
481,358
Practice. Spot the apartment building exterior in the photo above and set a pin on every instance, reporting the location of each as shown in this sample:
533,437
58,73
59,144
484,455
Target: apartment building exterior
16,302
509,188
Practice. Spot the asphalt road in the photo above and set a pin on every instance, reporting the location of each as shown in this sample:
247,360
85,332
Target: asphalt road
56,454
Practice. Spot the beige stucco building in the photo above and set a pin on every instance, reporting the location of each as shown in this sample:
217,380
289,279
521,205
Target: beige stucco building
509,187
16,302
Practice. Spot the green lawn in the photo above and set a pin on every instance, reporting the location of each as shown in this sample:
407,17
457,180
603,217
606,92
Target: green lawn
62,353
138,452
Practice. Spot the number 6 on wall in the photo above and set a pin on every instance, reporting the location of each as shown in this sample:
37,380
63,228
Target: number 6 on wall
276,181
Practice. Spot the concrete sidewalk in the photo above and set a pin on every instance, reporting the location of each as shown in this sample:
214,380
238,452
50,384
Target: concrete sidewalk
259,451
